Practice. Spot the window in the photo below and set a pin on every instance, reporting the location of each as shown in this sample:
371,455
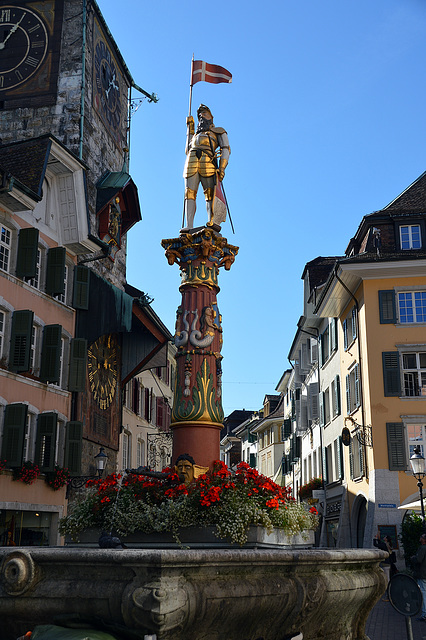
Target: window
414,373
416,438
2,324
350,328
326,406
140,453
412,306
5,245
45,449
125,443
410,236
356,458
353,390
335,396
35,280
28,437
62,297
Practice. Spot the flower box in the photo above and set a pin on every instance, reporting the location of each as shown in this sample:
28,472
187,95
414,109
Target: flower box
201,538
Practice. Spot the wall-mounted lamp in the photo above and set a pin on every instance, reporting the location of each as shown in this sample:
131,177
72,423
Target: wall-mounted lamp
76,482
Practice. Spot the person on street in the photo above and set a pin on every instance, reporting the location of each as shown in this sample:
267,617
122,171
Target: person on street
419,564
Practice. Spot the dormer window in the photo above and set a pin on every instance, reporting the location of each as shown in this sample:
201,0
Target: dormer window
410,237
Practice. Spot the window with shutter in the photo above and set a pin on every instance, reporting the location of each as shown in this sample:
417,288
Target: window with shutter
77,365
387,307
81,287
345,334
159,421
73,445
397,456
15,422
356,458
46,441
20,341
26,261
391,373
55,271
321,403
51,353
354,323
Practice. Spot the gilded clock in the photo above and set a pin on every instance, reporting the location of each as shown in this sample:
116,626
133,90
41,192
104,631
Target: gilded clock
107,84
24,42
102,365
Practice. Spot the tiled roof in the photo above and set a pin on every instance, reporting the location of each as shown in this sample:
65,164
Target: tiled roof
412,200
27,161
319,269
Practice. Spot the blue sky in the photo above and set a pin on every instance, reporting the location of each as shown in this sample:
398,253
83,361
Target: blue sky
326,122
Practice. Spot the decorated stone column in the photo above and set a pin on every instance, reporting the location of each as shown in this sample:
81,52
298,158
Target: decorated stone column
197,415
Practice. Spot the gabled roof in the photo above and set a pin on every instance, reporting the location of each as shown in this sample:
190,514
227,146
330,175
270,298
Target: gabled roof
277,414
319,269
412,200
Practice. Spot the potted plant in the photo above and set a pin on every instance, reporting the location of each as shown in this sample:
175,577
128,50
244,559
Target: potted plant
27,473
305,490
228,502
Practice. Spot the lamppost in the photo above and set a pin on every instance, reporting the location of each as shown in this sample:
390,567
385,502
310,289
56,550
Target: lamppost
418,465
76,482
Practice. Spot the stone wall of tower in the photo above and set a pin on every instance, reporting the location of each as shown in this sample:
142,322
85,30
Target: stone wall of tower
62,119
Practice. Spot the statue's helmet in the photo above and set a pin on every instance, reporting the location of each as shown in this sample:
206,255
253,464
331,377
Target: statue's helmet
202,108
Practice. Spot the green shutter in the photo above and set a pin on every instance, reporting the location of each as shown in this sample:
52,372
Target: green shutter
73,446
51,354
55,271
391,374
320,350
46,441
357,386
20,341
387,306
337,395
324,465
26,261
345,334
252,462
15,421
340,458
287,428
351,459
348,394
81,287
78,364
297,448
333,334
397,456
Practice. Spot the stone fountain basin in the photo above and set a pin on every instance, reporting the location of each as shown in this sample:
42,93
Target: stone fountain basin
196,594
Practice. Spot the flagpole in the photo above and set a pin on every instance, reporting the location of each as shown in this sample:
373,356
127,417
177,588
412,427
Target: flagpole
190,86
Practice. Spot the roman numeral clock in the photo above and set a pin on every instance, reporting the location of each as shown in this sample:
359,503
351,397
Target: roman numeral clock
30,35
109,87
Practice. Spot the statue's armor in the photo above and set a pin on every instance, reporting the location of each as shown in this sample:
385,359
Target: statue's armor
202,148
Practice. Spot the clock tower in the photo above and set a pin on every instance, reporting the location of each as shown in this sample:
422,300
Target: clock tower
62,74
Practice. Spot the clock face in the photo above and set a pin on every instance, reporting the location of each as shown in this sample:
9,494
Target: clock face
103,370
107,84
23,45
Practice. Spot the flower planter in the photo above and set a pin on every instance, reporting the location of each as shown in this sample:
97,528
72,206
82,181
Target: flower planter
200,538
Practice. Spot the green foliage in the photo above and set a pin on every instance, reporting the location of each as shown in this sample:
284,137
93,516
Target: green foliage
411,530
229,502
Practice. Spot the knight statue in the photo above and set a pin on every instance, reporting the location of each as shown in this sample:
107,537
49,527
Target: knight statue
203,147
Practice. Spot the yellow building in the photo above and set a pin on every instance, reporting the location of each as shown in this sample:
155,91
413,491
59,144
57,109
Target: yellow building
378,294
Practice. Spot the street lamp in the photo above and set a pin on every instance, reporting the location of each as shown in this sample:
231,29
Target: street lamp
76,482
418,465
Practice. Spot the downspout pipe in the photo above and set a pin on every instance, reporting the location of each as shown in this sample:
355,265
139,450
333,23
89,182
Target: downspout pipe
83,79
360,366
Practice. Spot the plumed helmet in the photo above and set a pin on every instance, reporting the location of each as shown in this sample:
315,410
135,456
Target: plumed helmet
201,108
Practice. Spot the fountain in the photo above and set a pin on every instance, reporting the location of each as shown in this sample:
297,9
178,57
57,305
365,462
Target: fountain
206,592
